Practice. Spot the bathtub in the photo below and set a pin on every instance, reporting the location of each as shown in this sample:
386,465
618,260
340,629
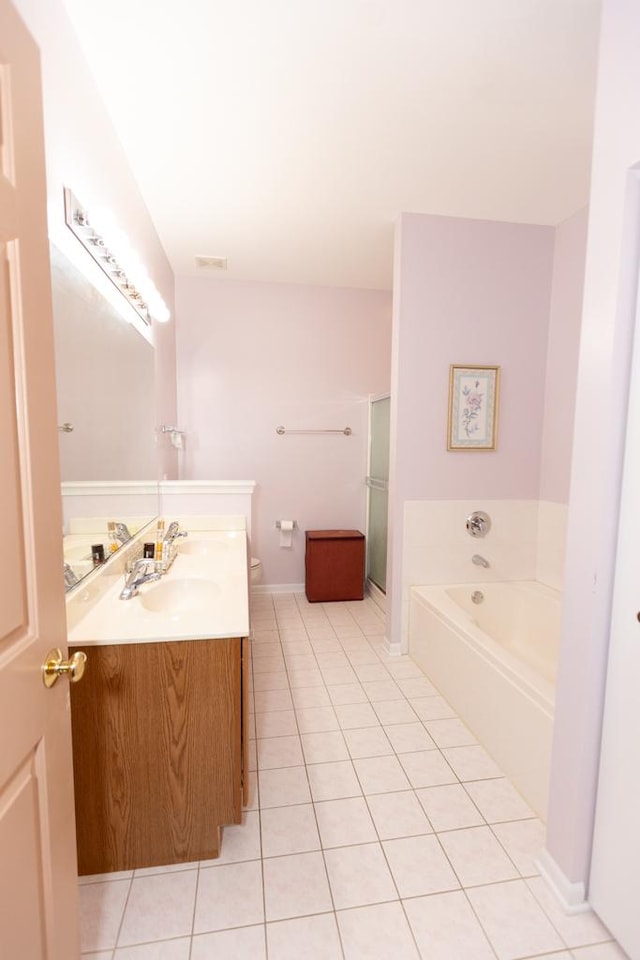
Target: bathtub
495,662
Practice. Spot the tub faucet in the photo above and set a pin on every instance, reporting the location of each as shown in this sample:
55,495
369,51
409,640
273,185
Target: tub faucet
143,571
480,561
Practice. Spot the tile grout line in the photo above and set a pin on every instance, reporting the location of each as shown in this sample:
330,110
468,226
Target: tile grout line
259,809
124,911
259,812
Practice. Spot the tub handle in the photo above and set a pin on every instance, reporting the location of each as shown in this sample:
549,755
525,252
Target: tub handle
478,523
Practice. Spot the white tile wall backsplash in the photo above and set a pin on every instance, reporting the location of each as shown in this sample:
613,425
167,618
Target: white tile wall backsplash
442,523
526,542
193,497
172,498
552,531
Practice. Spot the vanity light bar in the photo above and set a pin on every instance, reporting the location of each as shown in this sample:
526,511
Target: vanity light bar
147,303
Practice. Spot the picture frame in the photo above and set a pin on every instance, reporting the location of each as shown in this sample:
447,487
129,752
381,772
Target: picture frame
474,394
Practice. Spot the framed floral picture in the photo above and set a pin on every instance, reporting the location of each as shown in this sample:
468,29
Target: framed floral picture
473,407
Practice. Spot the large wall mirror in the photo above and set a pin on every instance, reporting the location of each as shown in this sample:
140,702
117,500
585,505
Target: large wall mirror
106,420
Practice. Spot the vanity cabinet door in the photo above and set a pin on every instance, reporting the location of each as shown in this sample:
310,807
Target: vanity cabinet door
157,752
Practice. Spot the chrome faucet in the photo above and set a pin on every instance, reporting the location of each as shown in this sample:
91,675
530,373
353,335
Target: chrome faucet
70,578
122,532
143,571
480,561
478,523
172,532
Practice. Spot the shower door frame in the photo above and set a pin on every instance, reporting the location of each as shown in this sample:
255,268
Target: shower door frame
377,593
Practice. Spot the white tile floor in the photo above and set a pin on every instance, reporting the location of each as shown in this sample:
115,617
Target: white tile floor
378,828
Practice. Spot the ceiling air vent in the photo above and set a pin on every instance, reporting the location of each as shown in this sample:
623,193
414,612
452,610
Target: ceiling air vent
211,263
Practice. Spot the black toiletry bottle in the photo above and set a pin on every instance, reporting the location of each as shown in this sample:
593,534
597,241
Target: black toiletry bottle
97,553
149,551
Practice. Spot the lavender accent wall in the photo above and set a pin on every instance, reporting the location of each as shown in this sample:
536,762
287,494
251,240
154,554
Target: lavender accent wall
562,356
252,356
470,291
476,292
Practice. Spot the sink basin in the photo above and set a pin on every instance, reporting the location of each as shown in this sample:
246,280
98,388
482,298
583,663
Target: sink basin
180,596
202,546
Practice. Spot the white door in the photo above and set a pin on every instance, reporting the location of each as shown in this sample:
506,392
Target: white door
38,880
613,885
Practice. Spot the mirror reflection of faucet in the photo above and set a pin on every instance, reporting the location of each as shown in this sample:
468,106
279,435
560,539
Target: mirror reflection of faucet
121,532
70,578
480,561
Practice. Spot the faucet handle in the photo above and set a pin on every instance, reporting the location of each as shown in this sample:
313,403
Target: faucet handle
478,523
173,532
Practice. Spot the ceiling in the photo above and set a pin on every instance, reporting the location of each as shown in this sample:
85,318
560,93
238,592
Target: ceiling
288,135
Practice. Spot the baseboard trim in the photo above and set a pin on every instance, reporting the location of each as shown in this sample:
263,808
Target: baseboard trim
376,594
391,649
570,895
277,588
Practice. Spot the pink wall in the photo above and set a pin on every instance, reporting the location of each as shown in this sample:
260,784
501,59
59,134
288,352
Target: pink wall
613,254
471,291
252,356
466,291
84,153
562,356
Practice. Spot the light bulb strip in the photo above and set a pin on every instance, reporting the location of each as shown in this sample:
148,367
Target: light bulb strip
77,219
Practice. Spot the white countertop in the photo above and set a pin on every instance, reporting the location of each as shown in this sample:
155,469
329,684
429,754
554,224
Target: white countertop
204,595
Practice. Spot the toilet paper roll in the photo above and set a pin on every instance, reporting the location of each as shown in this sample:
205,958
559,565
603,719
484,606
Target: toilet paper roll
286,532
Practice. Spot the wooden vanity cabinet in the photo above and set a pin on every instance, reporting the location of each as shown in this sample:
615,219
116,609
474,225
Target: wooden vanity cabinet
158,751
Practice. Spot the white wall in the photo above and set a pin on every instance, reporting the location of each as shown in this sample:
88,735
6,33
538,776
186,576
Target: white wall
84,153
253,356
563,345
607,326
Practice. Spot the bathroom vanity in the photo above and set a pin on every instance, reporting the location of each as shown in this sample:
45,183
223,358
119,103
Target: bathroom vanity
159,720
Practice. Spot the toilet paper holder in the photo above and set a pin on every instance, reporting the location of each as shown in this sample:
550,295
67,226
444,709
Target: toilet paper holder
279,524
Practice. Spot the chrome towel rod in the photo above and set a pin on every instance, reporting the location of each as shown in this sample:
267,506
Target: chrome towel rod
347,431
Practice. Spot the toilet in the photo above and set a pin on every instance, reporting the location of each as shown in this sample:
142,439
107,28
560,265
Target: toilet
256,570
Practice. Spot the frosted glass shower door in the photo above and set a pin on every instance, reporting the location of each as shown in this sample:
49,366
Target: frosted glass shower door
378,484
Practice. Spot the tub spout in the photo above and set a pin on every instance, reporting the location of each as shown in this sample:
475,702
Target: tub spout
479,561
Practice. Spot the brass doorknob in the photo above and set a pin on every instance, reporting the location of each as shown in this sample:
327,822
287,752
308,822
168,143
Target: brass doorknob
54,667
